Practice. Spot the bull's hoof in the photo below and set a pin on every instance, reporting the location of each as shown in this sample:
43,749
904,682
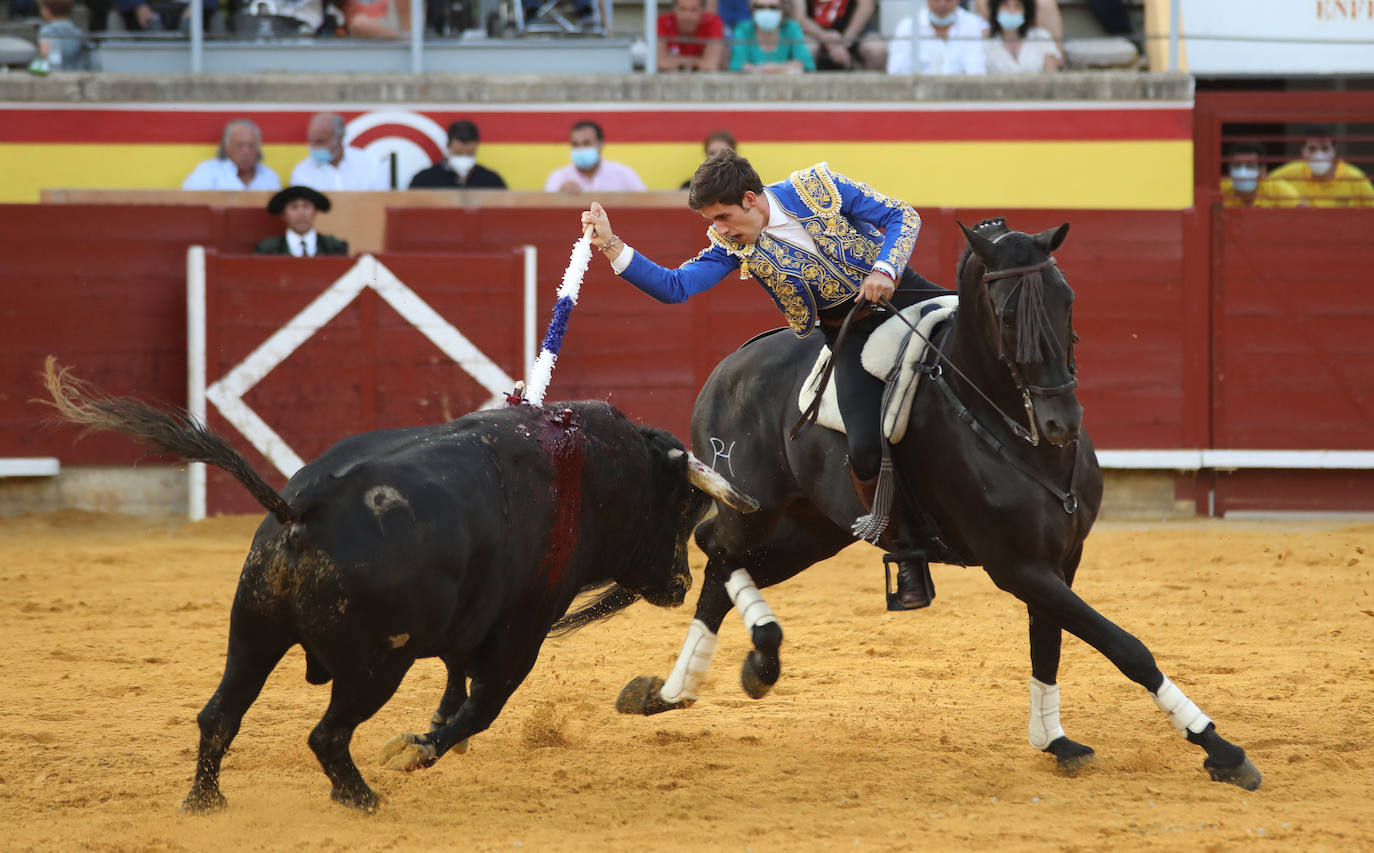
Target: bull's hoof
758,674
362,799
1071,756
202,801
642,696
438,722
407,753
1245,774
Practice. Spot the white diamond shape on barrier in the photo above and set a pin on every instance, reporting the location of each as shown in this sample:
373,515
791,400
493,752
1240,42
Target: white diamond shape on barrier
227,393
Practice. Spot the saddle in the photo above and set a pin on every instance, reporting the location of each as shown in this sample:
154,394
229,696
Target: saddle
894,354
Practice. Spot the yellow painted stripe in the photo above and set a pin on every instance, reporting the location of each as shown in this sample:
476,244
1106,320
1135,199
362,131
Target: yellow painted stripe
1148,175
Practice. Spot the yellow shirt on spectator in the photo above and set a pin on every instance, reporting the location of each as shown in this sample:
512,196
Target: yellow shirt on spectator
1271,192
1348,187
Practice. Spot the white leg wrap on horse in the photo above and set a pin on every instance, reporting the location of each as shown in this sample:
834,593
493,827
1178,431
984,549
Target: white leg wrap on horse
1185,716
692,663
1044,713
746,598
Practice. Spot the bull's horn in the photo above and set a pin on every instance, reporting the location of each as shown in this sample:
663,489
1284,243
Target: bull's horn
710,481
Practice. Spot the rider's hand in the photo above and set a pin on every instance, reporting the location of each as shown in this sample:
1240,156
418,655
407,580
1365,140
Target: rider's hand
877,286
600,224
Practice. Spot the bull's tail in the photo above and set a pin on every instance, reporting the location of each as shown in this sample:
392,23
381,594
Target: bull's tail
606,603
169,430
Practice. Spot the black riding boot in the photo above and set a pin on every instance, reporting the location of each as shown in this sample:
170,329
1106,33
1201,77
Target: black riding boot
915,587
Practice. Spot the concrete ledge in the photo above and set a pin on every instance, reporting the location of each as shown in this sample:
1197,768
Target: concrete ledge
416,89
150,490
1234,460
38,466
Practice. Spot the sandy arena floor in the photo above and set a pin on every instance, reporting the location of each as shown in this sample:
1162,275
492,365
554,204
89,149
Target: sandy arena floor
887,731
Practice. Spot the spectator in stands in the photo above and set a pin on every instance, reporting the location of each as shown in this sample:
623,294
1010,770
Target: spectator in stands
718,140
690,38
770,43
1249,186
1046,15
161,14
584,14
1015,44
1322,178
373,19
332,165
314,17
951,41
588,171
731,12
459,169
841,34
62,46
298,207
237,165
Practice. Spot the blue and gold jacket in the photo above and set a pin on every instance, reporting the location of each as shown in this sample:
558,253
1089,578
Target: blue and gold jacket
853,226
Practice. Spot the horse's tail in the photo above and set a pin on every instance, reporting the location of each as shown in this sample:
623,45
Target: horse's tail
606,603
169,430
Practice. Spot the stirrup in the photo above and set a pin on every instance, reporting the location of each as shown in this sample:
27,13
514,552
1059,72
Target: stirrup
914,583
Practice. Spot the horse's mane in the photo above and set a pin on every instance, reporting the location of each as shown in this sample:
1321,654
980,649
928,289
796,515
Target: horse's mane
1033,334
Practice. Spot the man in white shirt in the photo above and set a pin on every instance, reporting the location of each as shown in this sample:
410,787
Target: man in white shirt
298,207
237,165
332,165
588,172
951,41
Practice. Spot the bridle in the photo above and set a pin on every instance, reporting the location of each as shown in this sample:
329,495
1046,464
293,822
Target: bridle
1027,391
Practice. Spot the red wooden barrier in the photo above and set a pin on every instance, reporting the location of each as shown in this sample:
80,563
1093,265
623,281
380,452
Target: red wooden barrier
102,287
367,367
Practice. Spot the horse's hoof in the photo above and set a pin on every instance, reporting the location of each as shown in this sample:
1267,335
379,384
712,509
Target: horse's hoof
1071,756
642,696
407,753
1245,774
201,801
363,799
758,674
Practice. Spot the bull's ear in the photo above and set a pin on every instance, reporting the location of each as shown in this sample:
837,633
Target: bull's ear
981,246
1052,238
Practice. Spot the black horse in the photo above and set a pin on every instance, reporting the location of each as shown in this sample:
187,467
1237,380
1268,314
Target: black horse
994,454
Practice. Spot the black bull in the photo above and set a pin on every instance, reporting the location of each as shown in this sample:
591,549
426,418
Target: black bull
464,541
994,452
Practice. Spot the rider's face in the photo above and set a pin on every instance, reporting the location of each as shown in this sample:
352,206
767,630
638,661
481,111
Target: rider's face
740,222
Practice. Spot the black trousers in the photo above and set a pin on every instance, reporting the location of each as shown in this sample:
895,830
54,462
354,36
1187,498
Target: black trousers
860,392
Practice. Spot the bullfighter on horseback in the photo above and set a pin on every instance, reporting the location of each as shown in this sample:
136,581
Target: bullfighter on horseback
825,247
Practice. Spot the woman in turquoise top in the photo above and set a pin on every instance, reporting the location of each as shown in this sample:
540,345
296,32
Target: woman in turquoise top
768,44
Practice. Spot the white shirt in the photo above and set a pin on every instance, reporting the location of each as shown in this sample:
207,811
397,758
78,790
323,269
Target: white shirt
217,174
301,245
356,171
781,226
1037,45
962,53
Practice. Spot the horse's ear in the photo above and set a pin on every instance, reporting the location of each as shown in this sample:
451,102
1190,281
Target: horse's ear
981,246
1052,238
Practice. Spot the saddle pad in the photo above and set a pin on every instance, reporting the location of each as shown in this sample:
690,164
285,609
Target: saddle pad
891,349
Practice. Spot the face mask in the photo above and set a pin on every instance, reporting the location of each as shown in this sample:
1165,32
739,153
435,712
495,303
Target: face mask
1321,164
585,158
321,155
943,20
1010,21
768,19
462,163
1245,178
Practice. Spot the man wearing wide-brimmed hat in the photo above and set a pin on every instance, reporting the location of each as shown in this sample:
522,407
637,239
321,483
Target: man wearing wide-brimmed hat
298,207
